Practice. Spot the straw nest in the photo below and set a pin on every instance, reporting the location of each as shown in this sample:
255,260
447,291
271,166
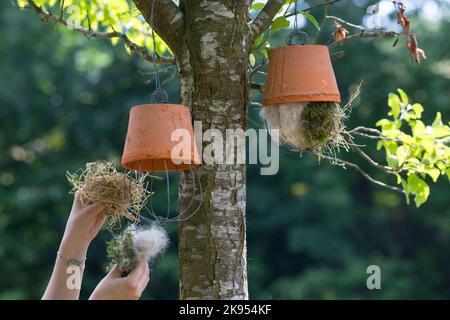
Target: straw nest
123,193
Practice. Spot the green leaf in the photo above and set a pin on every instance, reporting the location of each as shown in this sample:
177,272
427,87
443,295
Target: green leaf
418,109
258,6
437,121
380,144
440,132
279,23
311,19
385,123
420,189
417,127
394,103
252,59
391,159
402,153
429,145
405,138
393,133
403,96
434,173
406,189
257,41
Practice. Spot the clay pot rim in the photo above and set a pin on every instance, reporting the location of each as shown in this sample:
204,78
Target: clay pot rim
151,105
298,46
301,98
146,157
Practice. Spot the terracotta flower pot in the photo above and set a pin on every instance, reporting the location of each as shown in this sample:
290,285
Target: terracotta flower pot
300,73
148,145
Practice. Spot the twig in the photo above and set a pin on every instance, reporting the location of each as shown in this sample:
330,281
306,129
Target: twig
134,48
371,133
364,174
264,18
320,5
345,22
372,162
364,34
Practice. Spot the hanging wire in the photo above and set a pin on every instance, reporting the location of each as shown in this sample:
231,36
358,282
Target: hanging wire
295,17
302,36
180,217
168,190
161,95
159,91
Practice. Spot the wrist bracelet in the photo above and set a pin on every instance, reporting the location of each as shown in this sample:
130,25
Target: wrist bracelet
71,261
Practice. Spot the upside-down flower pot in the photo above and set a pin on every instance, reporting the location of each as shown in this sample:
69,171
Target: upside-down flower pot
301,97
148,145
300,73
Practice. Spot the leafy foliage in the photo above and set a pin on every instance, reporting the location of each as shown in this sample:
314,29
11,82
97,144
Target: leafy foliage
107,16
261,46
417,151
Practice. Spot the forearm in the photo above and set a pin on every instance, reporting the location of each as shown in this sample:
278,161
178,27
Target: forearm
65,282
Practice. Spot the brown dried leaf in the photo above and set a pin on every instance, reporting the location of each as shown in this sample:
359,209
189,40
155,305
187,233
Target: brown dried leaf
340,32
402,18
414,51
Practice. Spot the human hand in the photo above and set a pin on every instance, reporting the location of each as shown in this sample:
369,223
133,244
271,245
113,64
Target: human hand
84,222
116,287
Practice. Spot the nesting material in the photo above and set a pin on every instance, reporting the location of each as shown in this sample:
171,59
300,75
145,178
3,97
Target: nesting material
307,126
135,244
123,193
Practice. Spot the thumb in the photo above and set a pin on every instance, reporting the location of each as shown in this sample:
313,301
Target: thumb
138,271
115,272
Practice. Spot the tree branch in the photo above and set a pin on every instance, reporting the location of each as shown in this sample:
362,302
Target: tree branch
345,22
372,162
366,34
264,18
371,133
363,173
135,49
168,20
320,5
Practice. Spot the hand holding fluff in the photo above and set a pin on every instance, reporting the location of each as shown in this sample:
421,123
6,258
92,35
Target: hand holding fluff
134,244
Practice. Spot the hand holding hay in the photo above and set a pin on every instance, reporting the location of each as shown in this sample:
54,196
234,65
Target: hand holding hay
135,244
122,193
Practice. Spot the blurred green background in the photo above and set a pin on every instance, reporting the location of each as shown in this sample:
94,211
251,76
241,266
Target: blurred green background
312,229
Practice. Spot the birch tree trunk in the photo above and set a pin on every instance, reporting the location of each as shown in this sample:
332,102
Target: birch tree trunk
210,41
212,244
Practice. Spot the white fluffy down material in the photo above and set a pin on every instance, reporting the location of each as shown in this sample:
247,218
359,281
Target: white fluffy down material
150,242
287,119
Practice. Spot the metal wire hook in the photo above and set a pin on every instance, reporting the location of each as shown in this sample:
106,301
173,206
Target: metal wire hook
297,33
301,35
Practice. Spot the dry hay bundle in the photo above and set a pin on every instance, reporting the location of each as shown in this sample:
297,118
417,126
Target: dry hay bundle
308,126
123,193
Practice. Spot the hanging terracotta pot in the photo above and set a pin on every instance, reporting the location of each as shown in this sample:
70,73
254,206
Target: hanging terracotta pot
300,73
149,144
